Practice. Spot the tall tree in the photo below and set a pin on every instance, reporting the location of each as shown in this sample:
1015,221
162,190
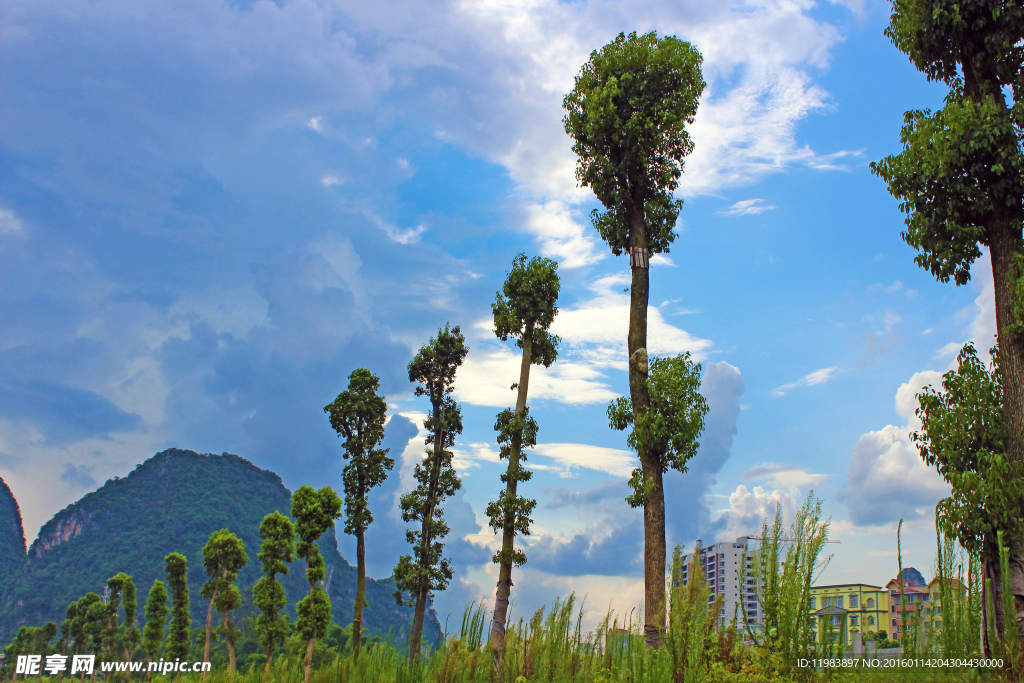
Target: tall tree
178,643
358,415
156,612
960,181
627,115
277,549
132,634
314,513
223,557
524,309
963,435
427,570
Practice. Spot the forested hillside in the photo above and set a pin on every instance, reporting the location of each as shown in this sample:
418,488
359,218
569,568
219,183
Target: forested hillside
12,539
171,502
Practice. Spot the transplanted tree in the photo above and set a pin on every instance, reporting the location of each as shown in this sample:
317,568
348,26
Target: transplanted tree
960,180
132,633
314,513
277,549
524,310
665,433
178,644
427,570
156,612
223,557
358,415
627,115
227,601
963,435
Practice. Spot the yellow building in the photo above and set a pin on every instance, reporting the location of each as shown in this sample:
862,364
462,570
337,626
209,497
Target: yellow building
851,608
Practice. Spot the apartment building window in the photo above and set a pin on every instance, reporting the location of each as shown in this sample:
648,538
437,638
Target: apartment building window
836,620
834,601
853,621
813,604
871,603
853,601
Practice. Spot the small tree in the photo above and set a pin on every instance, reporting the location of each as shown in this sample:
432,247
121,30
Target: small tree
524,310
785,566
314,512
426,570
227,601
156,612
358,414
277,549
223,557
627,115
178,643
132,634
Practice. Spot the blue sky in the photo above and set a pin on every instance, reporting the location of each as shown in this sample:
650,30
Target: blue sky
211,212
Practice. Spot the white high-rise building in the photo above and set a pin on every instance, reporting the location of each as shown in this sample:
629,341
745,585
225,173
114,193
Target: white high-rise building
729,573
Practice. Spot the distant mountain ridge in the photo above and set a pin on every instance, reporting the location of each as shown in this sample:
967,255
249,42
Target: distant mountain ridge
12,539
170,503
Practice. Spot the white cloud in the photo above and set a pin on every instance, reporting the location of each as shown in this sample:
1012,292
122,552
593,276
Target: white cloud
746,207
817,377
611,461
472,455
887,480
316,123
748,509
331,180
10,224
561,235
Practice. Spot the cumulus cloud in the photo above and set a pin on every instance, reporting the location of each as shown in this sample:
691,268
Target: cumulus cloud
748,509
568,456
787,476
888,480
809,380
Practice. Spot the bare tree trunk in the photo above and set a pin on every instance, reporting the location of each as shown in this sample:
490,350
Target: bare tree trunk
266,668
309,657
508,532
416,636
229,641
209,620
1005,243
357,621
654,499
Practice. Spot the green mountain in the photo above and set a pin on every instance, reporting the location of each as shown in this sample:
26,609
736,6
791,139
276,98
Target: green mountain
12,539
171,503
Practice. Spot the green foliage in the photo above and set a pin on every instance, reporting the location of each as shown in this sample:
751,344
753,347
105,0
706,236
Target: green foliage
959,165
156,612
276,551
433,369
178,640
668,430
784,568
223,557
690,641
627,115
526,306
1005,645
513,511
959,575
314,512
358,415
960,169
963,435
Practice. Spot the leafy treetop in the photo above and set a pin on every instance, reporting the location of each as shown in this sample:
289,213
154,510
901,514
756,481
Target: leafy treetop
526,304
627,115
